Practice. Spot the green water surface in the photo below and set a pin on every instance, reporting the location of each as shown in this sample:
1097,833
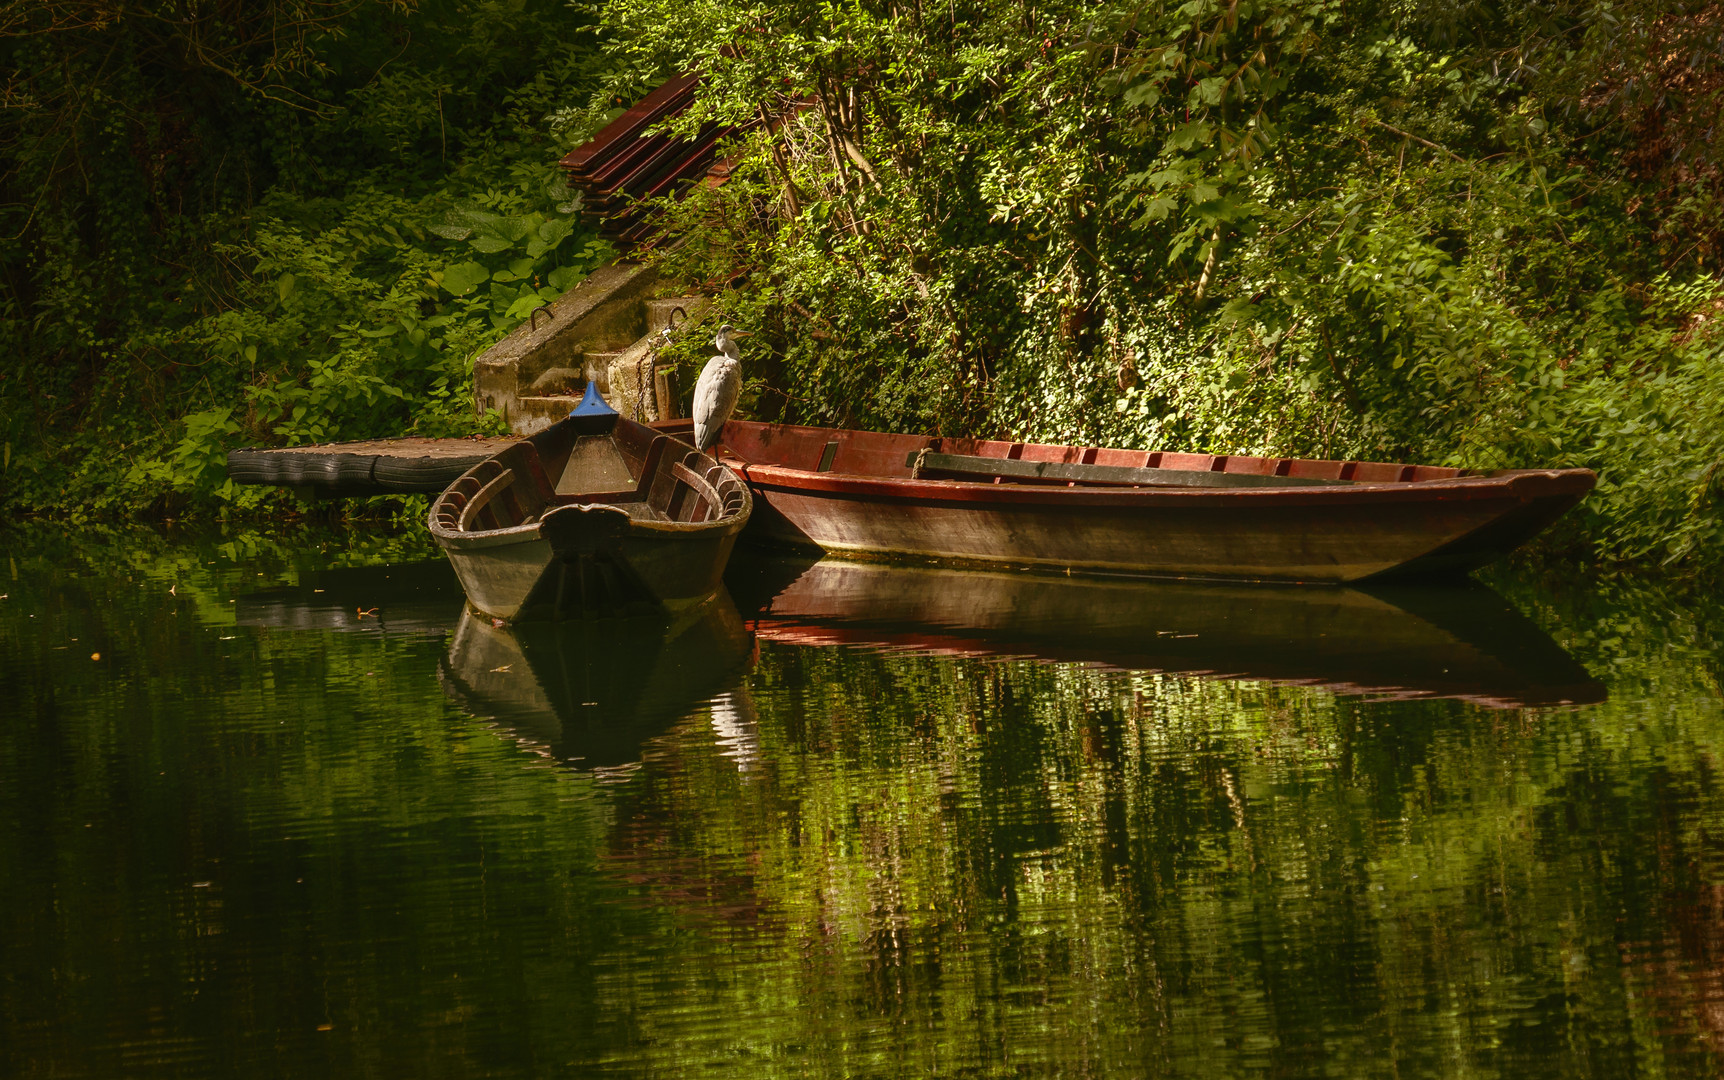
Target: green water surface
264,812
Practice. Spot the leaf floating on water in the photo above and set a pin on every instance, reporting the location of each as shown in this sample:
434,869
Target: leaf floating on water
505,667
174,589
95,656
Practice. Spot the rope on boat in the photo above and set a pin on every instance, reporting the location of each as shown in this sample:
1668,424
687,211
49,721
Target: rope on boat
916,466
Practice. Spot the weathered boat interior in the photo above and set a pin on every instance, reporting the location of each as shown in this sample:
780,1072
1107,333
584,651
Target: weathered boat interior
640,473
868,453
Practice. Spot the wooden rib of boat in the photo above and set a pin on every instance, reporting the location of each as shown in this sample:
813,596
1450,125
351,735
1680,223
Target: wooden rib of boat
596,514
1090,510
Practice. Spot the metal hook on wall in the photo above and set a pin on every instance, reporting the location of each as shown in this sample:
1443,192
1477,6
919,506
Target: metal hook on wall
533,318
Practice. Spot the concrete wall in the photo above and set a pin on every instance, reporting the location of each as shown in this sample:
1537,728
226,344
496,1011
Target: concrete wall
604,313
604,330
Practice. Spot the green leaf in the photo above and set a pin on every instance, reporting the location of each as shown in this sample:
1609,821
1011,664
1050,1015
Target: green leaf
524,305
463,278
1186,136
564,277
548,235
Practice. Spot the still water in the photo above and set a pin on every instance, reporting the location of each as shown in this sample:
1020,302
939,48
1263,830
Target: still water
274,808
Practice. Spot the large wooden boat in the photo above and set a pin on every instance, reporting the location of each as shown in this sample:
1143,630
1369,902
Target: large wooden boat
595,514
1403,642
1090,510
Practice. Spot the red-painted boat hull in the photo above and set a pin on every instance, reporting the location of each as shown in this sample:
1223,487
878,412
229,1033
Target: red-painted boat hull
1388,520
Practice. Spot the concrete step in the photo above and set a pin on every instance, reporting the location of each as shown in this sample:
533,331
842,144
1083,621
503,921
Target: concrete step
537,412
630,378
559,380
598,364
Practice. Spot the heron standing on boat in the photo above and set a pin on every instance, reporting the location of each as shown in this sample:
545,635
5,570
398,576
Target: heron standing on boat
719,386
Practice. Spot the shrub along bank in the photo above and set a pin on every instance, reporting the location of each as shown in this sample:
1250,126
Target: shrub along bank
1418,230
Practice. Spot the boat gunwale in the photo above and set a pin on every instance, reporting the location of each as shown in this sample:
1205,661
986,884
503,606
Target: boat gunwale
639,528
1520,484
1514,484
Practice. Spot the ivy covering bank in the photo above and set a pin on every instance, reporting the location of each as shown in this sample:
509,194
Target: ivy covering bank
1419,230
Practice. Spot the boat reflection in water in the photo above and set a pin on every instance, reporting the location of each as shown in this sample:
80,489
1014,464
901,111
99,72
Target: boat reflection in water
591,692
587,692
1456,641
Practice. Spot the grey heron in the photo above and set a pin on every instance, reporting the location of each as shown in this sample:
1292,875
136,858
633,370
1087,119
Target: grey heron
719,386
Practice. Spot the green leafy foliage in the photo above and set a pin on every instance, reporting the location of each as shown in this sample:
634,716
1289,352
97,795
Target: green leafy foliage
378,203
1382,231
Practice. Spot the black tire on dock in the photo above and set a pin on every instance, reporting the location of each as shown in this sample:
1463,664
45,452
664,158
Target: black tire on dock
338,473
422,473
253,467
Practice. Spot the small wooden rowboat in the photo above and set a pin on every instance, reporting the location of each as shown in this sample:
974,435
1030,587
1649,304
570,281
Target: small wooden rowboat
1089,510
633,518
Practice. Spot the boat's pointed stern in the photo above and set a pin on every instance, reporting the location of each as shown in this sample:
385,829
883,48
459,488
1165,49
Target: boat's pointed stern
585,529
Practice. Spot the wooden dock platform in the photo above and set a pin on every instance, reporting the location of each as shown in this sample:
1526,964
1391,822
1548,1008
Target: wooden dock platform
370,467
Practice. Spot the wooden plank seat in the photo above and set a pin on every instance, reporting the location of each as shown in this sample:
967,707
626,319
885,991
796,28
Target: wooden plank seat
690,482
927,465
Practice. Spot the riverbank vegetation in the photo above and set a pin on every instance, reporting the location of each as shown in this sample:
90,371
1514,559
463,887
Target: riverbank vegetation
280,222
1418,230
1393,231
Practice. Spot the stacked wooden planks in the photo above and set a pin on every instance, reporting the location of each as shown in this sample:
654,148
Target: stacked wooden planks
622,167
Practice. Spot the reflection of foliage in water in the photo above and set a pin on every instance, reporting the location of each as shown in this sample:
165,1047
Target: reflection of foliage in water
1177,871
930,866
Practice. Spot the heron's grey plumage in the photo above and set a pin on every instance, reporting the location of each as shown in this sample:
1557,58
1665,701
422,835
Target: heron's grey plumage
719,386
714,397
